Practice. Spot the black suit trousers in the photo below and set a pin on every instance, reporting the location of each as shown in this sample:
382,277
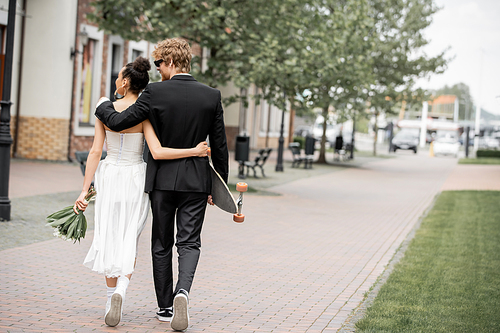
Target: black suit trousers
187,209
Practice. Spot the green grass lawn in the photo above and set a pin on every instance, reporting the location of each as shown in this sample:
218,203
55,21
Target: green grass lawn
449,278
481,160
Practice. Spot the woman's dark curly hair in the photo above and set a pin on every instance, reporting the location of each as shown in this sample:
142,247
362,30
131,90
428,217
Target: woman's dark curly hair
137,73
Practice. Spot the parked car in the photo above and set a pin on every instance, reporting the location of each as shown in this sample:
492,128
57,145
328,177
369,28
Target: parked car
462,139
488,142
446,143
405,139
428,137
331,132
303,131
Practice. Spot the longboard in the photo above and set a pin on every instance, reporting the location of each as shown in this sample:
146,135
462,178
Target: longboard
221,195
223,198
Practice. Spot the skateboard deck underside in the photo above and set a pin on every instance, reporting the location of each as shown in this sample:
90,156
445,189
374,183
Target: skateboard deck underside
221,195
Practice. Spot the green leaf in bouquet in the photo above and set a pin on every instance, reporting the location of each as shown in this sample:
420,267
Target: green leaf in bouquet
82,228
56,223
59,222
69,233
65,212
67,223
79,225
72,227
65,227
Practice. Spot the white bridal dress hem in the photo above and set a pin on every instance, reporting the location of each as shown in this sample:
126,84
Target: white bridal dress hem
121,206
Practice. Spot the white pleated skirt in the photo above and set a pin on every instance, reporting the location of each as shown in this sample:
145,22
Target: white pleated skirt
121,210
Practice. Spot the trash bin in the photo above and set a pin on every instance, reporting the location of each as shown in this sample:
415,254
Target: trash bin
241,153
309,146
309,151
242,149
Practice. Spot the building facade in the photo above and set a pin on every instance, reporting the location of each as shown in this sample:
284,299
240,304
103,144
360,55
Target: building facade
259,120
63,64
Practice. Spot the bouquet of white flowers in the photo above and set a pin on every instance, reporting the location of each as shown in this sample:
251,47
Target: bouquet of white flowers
67,224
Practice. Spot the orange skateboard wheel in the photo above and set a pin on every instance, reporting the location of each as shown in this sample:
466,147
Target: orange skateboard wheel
241,187
209,152
238,218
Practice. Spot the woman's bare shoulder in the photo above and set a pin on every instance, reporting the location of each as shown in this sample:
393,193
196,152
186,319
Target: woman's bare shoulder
120,106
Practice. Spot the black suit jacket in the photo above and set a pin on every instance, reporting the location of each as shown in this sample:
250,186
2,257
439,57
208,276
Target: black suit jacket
183,113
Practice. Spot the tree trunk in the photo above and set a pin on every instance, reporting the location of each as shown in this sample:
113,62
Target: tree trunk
243,113
268,125
322,150
375,128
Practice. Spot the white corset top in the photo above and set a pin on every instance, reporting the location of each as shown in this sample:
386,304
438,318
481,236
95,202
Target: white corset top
124,148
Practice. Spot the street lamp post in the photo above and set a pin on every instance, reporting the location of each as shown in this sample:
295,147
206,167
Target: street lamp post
352,136
5,137
279,165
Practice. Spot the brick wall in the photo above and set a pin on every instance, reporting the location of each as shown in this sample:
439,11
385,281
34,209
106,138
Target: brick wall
231,133
43,138
80,143
105,50
195,48
125,53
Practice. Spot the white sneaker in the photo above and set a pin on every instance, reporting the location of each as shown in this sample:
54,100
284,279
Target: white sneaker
108,306
180,320
114,314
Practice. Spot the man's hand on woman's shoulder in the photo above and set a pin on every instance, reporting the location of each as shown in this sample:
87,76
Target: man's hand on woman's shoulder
101,100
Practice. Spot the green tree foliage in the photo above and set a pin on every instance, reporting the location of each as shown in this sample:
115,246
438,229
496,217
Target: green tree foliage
398,57
371,59
341,55
336,59
235,32
212,24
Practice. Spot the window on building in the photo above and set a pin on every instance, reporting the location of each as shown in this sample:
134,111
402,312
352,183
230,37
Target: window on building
87,84
88,80
137,49
136,53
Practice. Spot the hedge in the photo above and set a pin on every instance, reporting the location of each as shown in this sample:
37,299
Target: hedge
488,153
301,140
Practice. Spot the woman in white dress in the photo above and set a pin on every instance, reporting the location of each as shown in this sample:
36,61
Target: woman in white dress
121,206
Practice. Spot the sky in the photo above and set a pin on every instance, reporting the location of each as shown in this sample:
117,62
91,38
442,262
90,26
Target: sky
472,31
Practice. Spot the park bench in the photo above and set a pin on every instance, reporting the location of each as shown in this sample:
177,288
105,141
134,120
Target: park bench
81,157
297,156
259,161
340,155
339,149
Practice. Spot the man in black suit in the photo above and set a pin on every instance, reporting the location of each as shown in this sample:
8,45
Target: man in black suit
183,113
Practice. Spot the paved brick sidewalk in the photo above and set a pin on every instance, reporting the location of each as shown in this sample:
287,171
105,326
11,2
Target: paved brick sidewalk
28,178
301,262
473,177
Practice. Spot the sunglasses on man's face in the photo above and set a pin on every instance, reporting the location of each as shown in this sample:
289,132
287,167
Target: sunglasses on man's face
158,62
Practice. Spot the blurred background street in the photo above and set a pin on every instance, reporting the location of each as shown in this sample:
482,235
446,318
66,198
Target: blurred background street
360,113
